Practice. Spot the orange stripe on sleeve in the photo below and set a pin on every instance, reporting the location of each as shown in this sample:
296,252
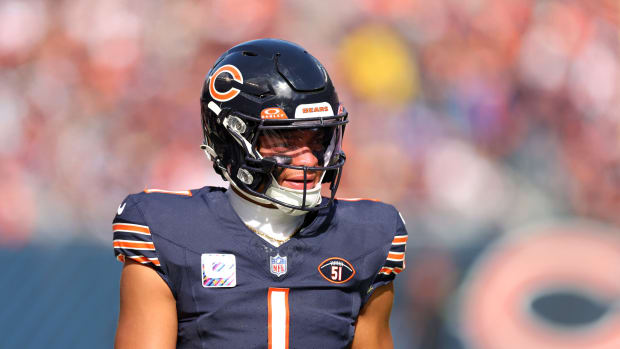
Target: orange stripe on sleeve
134,245
400,239
142,229
386,270
396,256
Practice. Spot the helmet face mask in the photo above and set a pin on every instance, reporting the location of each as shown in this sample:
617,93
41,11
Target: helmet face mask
269,124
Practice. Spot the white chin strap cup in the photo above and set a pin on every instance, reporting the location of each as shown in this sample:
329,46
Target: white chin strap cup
294,197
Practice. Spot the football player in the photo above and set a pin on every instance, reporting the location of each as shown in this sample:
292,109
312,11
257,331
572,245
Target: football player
268,262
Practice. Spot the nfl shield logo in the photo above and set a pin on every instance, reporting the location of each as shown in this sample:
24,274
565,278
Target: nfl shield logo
278,265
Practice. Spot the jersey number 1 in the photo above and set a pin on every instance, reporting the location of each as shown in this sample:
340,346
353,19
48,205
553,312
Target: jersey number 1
278,318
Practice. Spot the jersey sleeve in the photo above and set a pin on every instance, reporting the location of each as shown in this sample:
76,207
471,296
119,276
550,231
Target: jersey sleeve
132,236
395,260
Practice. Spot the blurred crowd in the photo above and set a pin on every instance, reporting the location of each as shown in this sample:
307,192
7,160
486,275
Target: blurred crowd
473,117
487,112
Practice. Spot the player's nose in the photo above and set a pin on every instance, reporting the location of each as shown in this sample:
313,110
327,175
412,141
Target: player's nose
305,157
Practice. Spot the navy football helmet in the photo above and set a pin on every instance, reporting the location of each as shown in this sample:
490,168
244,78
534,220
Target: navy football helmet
273,92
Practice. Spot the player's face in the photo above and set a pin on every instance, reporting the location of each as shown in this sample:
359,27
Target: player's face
297,148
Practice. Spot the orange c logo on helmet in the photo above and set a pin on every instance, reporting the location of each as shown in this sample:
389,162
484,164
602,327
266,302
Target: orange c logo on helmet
232,92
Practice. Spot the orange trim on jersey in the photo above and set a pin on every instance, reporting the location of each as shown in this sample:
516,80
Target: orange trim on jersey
137,244
132,228
121,258
287,319
176,192
269,316
400,239
357,199
269,326
399,256
398,270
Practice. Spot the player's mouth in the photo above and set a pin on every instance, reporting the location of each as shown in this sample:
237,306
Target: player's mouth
297,182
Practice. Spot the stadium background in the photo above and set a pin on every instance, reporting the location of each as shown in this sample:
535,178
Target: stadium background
494,126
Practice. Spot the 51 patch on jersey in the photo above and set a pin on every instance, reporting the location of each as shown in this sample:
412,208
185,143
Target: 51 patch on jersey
336,270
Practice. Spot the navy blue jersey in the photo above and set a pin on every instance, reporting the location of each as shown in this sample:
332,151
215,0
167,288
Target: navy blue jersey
235,290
